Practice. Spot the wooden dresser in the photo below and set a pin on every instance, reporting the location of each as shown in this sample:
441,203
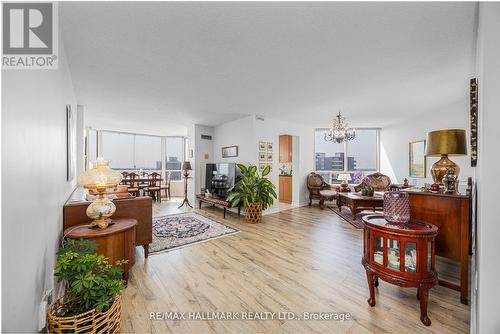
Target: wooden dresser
451,214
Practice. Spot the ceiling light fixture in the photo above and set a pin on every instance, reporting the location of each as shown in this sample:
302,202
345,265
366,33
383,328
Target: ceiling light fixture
340,131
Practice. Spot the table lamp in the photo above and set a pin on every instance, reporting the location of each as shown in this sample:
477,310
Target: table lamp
444,143
100,178
186,167
344,177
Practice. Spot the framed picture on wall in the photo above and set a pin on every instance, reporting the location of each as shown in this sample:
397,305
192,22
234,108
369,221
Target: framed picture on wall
417,161
269,156
230,151
262,146
269,147
473,122
261,167
262,156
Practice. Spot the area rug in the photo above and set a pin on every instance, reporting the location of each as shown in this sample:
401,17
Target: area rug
185,229
346,214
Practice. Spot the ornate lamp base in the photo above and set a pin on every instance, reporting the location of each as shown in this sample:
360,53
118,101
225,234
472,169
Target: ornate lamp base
100,210
440,168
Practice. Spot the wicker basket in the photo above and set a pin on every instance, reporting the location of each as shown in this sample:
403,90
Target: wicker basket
253,213
92,321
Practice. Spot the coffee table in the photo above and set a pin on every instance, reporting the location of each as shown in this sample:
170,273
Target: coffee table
357,203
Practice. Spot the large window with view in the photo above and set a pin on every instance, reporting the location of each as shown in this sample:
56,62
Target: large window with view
358,157
136,152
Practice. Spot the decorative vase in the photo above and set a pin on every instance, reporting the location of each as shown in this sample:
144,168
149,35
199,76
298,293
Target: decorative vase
91,321
397,206
370,192
364,192
253,213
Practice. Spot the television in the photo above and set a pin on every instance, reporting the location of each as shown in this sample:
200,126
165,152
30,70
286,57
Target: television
220,178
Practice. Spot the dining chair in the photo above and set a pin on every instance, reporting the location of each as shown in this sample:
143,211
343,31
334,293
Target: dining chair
154,186
131,181
166,186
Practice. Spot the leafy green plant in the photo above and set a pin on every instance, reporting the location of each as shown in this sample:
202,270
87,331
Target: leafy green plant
251,187
91,281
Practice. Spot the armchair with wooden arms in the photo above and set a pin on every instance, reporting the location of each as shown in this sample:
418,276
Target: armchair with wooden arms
320,190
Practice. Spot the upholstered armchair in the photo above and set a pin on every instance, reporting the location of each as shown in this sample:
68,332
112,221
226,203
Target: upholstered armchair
320,190
378,181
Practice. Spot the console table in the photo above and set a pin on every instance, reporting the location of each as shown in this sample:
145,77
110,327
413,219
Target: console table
401,254
116,242
451,214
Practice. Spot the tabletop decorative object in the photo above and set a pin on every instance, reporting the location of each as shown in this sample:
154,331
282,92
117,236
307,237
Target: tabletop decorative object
100,178
397,206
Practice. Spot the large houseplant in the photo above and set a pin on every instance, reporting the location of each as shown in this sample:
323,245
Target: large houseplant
93,287
255,192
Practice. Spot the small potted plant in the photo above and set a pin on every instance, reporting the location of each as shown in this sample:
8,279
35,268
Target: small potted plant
92,295
366,189
254,191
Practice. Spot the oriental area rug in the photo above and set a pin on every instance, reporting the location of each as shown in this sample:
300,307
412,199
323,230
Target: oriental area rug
185,229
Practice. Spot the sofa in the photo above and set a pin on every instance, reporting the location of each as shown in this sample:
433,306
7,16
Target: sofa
139,208
377,181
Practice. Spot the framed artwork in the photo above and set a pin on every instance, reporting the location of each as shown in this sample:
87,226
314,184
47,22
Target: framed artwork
262,146
230,151
262,156
417,162
70,143
271,166
261,167
269,157
473,121
269,147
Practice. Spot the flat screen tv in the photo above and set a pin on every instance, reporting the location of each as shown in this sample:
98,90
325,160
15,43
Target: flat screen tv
220,178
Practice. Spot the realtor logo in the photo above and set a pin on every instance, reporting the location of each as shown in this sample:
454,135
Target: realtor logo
29,36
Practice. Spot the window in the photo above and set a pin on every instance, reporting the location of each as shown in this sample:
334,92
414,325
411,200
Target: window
119,149
132,152
358,156
91,147
174,157
148,153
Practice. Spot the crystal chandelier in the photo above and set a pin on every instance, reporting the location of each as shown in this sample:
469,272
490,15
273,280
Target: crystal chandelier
340,131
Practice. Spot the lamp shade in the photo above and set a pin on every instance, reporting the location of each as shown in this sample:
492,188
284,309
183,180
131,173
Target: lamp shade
344,177
186,165
100,176
449,141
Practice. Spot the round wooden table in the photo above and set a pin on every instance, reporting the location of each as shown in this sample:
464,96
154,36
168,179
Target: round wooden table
401,254
116,242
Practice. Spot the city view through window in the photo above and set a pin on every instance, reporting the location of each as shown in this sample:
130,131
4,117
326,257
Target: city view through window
357,156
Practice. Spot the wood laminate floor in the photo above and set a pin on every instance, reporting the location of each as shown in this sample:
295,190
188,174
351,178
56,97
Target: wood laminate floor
300,260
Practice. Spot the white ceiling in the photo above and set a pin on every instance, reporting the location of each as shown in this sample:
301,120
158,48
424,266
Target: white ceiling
161,66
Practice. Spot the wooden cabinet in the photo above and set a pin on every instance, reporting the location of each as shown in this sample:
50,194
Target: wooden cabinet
116,242
285,148
451,213
401,254
285,189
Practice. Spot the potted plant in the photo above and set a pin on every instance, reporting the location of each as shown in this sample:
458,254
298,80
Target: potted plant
92,295
366,189
254,191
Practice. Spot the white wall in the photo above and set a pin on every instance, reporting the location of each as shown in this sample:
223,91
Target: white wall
34,186
247,132
488,227
394,141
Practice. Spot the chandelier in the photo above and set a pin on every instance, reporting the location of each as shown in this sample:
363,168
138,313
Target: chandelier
340,131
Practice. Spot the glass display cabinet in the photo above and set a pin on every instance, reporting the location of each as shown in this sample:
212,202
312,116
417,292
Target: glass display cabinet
401,254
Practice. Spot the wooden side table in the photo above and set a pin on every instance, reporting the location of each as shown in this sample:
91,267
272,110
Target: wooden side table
116,242
401,254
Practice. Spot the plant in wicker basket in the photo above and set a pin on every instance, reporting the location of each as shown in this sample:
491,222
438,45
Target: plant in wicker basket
93,286
253,190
